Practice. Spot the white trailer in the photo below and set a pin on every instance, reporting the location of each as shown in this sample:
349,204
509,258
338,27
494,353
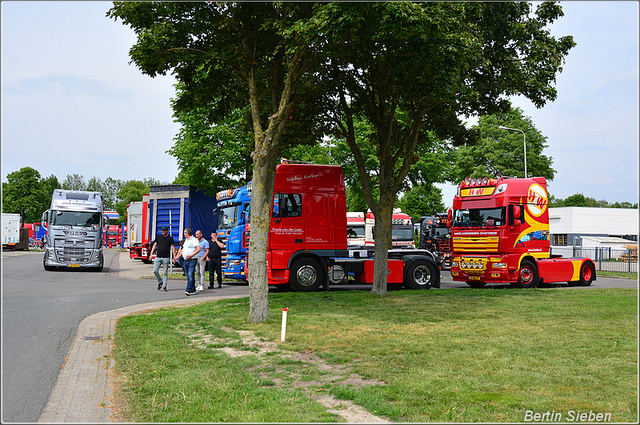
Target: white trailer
10,230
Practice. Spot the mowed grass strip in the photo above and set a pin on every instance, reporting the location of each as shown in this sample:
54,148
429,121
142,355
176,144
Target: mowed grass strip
442,356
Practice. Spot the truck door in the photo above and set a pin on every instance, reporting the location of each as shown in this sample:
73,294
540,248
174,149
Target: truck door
286,234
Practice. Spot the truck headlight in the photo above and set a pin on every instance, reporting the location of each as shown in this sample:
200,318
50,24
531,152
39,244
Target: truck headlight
499,265
454,264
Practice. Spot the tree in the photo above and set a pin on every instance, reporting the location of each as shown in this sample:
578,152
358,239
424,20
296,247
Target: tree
579,200
411,70
74,182
25,193
110,189
51,183
229,56
422,200
501,152
131,191
213,157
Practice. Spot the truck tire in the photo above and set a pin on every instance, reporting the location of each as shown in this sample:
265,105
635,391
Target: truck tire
420,274
47,268
587,274
306,275
101,266
527,275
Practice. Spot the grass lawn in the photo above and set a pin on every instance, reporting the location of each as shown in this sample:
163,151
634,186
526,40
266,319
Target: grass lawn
411,356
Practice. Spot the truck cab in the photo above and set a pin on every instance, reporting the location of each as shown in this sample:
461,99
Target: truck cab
402,230
233,213
75,226
307,244
355,229
500,234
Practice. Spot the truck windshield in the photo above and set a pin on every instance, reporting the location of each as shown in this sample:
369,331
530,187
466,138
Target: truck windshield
441,231
487,217
402,233
228,217
355,231
75,218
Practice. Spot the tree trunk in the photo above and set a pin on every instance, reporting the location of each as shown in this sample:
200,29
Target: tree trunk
262,192
382,245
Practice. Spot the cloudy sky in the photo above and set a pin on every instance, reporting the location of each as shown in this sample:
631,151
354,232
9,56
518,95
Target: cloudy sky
72,103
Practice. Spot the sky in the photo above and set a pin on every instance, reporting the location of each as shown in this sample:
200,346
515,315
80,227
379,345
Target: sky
73,104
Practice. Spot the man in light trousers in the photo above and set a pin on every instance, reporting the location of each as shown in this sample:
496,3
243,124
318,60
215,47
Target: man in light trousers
166,250
201,256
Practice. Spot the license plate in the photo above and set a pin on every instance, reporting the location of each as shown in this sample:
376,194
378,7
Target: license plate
73,265
474,277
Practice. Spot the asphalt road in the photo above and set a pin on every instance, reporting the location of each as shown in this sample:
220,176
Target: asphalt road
41,312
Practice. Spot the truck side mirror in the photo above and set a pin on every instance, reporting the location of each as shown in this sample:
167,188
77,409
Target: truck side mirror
516,215
449,218
44,219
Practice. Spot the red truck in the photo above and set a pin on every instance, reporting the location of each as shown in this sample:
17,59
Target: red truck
500,234
138,230
307,244
113,236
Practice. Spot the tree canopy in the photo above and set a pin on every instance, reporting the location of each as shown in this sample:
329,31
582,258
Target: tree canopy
502,151
25,193
411,71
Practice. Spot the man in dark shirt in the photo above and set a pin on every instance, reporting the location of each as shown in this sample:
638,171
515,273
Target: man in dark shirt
166,249
215,260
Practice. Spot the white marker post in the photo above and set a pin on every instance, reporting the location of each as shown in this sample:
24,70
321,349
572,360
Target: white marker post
284,324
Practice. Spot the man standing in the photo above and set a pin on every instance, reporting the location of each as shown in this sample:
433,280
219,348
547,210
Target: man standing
189,249
215,260
166,249
200,256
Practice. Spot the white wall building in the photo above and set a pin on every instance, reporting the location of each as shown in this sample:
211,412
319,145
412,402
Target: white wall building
593,227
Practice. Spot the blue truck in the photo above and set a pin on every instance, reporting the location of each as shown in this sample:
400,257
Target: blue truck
177,207
232,213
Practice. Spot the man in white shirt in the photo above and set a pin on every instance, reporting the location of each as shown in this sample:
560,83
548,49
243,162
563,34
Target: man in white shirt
189,250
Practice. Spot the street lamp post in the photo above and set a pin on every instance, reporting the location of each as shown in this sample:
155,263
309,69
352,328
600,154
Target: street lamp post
525,146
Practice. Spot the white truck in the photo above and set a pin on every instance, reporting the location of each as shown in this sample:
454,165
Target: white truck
355,229
75,227
401,230
11,232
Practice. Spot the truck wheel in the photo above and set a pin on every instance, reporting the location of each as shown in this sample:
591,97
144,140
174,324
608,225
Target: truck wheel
527,275
420,274
99,268
476,283
44,264
306,275
587,274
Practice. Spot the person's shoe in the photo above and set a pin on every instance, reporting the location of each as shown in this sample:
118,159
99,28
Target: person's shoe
210,287
187,293
200,288
164,289
159,286
219,285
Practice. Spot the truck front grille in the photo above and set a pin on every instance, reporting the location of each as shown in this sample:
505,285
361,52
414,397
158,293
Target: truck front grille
74,251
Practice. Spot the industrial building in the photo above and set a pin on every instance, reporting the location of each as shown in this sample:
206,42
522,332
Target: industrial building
593,227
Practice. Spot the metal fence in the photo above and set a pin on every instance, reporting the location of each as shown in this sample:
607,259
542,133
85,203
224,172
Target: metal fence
605,259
